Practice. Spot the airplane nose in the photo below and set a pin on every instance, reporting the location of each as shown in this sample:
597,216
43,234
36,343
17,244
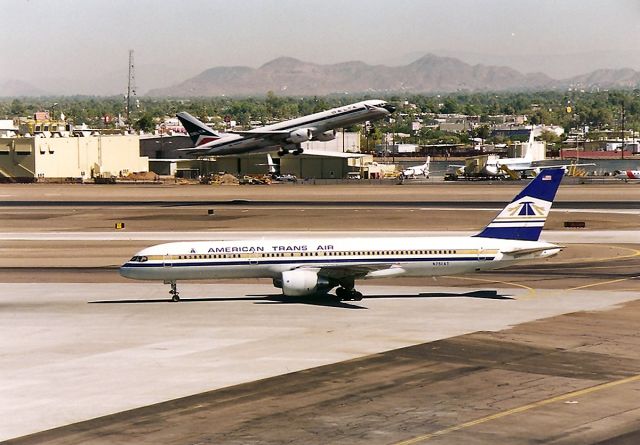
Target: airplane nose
125,271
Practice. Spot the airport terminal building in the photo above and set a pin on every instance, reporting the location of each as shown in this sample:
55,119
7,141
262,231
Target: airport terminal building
27,159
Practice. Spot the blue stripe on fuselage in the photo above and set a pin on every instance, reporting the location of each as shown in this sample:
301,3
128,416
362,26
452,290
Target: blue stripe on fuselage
319,261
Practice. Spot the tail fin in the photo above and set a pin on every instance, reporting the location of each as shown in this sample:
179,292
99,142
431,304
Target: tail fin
198,132
525,216
271,164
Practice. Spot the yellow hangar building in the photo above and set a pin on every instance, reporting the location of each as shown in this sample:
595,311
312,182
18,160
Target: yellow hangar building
70,158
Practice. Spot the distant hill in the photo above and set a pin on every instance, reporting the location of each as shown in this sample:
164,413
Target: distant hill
428,74
620,78
16,88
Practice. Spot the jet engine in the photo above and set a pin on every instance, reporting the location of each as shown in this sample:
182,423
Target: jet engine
301,282
300,135
326,136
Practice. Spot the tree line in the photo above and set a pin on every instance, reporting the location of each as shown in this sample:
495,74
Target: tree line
598,110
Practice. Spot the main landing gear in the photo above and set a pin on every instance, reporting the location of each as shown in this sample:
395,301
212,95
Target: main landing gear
285,151
174,291
345,294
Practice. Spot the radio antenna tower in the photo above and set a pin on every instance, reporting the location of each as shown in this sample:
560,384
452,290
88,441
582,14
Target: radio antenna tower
131,89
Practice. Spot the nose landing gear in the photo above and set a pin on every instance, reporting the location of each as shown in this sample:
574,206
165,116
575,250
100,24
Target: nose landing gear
175,296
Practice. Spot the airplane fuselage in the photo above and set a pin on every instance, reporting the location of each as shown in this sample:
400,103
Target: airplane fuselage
516,164
410,256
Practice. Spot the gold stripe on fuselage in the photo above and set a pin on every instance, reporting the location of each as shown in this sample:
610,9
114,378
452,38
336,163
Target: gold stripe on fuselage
451,253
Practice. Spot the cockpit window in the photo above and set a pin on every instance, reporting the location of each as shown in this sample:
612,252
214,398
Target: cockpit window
138,259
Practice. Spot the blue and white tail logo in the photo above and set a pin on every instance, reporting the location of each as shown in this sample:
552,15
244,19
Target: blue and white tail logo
524,217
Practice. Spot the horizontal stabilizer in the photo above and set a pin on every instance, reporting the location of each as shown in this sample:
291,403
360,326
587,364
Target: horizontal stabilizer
522,252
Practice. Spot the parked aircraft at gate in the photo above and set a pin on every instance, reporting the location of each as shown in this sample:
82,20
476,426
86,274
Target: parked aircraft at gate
628,175
285,136
303,267
412,172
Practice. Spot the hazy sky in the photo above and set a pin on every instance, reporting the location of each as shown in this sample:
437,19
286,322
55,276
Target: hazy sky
45,40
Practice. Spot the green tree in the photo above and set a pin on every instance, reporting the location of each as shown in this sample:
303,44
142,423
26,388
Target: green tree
17,108
549,137
145,123
482,132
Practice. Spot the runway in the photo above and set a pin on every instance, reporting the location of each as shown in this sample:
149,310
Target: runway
329,204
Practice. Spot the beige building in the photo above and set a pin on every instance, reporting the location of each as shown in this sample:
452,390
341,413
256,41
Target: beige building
70,157
344,142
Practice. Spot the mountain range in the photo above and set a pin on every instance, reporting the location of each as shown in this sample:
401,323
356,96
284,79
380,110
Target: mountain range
288,76
428,74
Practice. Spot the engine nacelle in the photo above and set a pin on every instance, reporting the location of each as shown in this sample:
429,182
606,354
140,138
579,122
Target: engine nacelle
326,136
300,135
299,283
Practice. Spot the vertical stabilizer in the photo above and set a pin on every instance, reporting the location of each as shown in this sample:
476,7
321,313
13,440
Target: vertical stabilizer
271,164
524,217
199,133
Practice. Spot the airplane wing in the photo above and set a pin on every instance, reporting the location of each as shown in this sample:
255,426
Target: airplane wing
519,168
355,271
276,134
195,150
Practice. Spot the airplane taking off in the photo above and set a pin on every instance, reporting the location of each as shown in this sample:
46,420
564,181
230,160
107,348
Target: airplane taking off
302,267
412,172
287,135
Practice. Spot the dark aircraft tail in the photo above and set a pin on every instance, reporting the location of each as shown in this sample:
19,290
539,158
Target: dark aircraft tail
199,133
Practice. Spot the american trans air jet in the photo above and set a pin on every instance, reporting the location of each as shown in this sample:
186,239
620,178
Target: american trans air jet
302,267
284,136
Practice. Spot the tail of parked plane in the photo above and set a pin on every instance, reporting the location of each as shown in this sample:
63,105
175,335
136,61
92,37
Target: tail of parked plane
272,165
525,216
198,132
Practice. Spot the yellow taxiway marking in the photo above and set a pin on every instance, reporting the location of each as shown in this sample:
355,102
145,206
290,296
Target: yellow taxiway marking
520,409
531,290
601,283
635,253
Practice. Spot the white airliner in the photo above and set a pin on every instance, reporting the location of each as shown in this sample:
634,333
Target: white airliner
493,165
496,166
285,136
416,170
302,267
628,175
